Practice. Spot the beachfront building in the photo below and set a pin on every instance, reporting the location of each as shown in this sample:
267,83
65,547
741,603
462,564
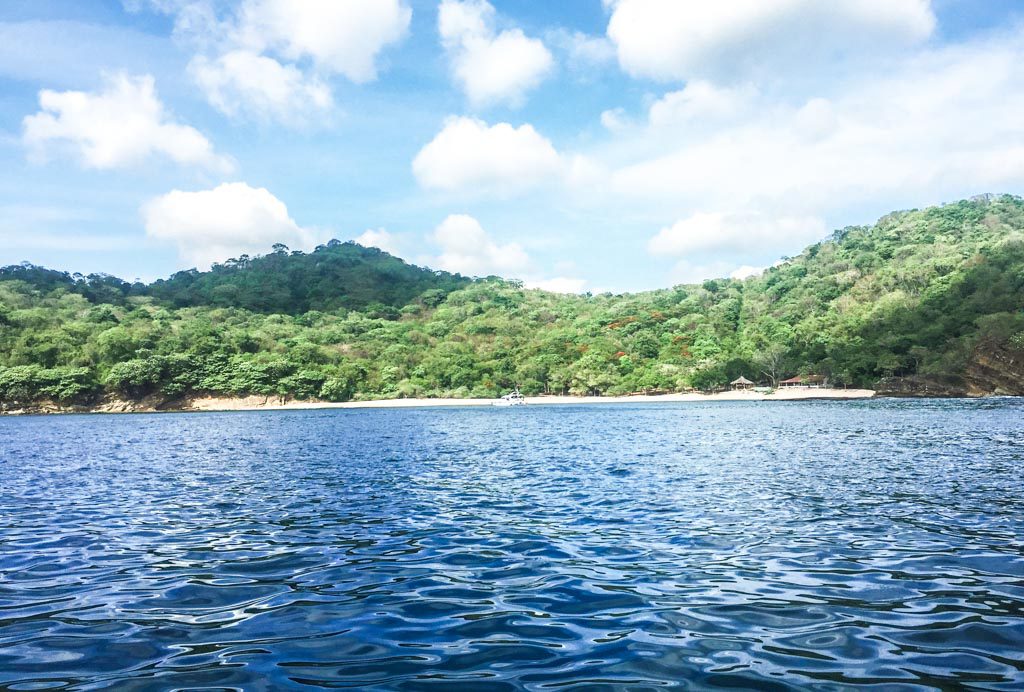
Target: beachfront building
805,381
741,382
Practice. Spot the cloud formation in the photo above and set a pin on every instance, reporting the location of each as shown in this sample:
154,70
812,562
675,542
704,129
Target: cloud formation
698,103
687,272
707,234
910,134
582,51
467,248
242,83
229,220
380,239
122,125
339,36
761,115
847,134
490,67
683,39
470,155
272,59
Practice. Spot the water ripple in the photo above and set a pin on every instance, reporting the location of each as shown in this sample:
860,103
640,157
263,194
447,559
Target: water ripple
797,546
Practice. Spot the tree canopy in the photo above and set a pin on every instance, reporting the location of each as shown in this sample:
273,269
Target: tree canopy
917,294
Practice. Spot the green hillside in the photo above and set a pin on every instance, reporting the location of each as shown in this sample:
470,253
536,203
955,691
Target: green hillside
335,275
928,301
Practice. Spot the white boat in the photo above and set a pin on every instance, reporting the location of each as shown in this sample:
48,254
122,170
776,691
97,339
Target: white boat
513,398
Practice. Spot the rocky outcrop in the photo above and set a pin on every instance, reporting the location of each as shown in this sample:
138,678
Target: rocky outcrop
107,404
994,369
923,386
997,369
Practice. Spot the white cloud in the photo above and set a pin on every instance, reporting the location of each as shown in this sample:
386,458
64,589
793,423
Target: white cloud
683,39
194,20
379,239
271,59
231,219
582,51
469,154
699,100
687,272
910,136
614,119
585,174
697,108
339,36
243,83
816,119
466,248
590,50
745,272
122,125
706,234
490,67
558,284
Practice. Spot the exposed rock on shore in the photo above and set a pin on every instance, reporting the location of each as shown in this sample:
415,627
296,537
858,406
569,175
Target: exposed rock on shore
994,369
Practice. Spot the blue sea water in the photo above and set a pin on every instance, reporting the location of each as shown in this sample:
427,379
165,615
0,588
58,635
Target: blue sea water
801,545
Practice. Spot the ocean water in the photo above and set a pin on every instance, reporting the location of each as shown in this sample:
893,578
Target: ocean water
801,545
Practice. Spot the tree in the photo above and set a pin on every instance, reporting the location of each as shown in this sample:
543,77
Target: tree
927,292
770,361
591,374
135,378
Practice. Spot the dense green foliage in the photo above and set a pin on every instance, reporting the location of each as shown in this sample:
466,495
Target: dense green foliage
335,275
914,294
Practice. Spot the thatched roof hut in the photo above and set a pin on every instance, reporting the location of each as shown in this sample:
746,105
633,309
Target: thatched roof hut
741,382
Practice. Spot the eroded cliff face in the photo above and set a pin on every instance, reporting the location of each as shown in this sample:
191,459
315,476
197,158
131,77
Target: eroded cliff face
994,369
997,369
923,386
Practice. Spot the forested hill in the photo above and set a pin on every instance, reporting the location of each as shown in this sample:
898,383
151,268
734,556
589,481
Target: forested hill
928,301
335,275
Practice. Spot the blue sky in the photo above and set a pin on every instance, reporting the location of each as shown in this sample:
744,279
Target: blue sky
585,145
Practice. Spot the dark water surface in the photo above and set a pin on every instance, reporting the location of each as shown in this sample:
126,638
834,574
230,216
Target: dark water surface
754,545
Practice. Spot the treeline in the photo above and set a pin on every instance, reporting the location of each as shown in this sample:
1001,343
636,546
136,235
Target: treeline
335,275
919,293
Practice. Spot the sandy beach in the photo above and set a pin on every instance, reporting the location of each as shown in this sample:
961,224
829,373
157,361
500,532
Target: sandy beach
263,403
259,403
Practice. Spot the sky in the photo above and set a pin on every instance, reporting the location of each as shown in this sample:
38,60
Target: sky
589,145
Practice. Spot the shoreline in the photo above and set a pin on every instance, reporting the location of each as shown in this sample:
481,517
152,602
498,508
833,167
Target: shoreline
794,394
262,403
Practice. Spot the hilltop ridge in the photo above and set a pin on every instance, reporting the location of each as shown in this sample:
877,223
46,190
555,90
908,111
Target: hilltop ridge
923,302
334,275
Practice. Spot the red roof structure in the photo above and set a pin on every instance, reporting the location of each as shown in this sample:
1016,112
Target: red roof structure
801,380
